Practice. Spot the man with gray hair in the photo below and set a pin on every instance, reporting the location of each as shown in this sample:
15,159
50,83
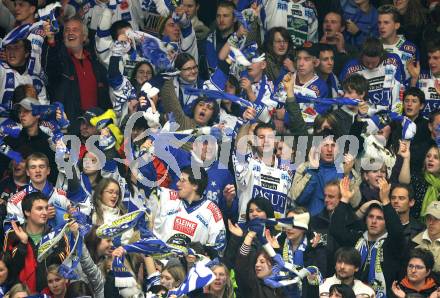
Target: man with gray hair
76,78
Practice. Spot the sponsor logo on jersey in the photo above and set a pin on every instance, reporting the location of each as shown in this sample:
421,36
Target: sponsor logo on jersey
185,226
277,199
216,213
409,48
354,68
202,220
17,198
172,212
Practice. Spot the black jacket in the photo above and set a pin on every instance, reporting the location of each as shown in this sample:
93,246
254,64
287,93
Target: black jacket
31,144
392,246
63,83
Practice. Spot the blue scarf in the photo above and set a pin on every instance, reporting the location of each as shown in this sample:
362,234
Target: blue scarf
374,254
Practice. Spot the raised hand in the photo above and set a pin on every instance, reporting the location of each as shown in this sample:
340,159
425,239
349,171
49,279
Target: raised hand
289,84
314,157
235,229
20,233
229,194
348,163
272,240
118,252
384,191
413,68
249,114
404,149
398,292
346,193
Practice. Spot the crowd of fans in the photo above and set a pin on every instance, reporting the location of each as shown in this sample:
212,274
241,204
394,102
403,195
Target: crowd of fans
243,148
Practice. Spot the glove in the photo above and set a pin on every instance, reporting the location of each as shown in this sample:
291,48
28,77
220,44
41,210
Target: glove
120,48
106,142
63,122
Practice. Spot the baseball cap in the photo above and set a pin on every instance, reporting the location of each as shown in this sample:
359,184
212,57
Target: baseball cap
27,103
310,48
434,209
90,113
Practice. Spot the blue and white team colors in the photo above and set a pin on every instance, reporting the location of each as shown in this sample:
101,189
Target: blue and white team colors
201,221
255,179
406,51
426,83
385,81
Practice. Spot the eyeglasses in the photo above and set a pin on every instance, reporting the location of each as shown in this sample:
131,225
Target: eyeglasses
191,68
417,267
111,192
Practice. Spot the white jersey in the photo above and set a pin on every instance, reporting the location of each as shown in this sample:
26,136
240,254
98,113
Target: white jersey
57,198
385,81
426,83
298,17
254,178
10,79
126,10
406,51
202,221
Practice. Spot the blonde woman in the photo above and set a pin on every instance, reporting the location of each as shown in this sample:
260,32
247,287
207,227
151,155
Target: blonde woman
222,285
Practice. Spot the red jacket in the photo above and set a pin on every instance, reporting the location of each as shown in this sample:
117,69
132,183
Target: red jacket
24,257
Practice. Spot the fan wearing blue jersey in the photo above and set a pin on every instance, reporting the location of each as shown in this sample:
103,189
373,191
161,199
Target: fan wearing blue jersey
389,23
307,83
384,72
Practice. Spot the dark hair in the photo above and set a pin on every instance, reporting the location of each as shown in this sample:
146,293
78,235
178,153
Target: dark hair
261,203
357,83
97,198
433,45
414,91
348,255
373,47
414,295
270,38
215,113
29,199
261,125
343,289
201,182
323,47
181,59
116,26
389,9
408,188
425,255
371,207
135,70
